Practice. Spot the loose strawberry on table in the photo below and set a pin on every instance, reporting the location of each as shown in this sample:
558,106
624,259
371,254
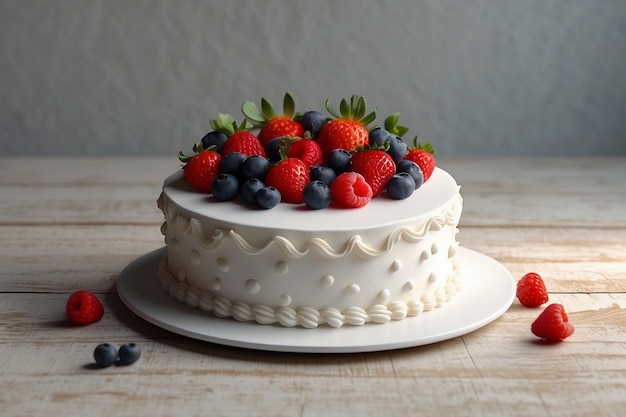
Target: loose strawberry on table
272,124
553,324
531,290
83,307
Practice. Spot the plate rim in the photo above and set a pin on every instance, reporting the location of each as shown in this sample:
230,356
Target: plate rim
146,299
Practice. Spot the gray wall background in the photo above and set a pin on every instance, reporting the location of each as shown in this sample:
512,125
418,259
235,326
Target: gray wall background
475,77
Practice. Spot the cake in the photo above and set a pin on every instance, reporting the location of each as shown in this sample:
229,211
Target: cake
390,259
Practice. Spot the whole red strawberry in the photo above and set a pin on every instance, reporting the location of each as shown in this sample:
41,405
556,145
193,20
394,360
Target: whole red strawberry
348,129
350,190
531,290
83,307
424,156
201,168
240,139
289,176
304,149
272,124
553,324
376,166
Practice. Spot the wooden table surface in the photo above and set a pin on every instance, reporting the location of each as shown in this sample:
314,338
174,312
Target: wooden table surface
75,223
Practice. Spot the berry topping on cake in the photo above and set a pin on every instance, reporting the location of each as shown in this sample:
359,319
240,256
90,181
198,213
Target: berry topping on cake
267,197
413,170
240,139
201,168
317,195
350,190
326,147
531,290
348,129
225,187
289,176
553,324
424,156
376,166
83,307
401,186
312,121
305,149
272,124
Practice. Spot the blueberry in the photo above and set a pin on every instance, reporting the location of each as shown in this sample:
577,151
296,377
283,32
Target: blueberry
379,136
214,138
400,186
129,353
339,161
254,166
225,187
397,148
313,121
248,190
272,150
413,170
231,163
267,197
316,195
105,355
322,173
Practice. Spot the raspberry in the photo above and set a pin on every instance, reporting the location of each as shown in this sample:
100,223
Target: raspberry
531,290
83,307
350,190
552,324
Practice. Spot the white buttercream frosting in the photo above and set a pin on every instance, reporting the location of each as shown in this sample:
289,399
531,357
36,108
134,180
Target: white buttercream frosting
296,267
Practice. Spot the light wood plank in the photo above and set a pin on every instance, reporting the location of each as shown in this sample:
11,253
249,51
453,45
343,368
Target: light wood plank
494,371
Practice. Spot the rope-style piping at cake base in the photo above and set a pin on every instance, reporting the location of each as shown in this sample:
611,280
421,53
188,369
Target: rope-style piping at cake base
301,316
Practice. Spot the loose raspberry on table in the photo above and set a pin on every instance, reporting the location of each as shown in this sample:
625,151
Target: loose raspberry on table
553,324
531,290
83,307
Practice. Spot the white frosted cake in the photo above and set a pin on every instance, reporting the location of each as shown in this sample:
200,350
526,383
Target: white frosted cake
291,266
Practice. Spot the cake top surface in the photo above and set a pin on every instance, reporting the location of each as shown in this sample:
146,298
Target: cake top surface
430,197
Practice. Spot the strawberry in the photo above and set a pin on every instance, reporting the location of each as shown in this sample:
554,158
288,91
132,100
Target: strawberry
531,290
350,190
240,139
83,307
305,149
348,129
289,176
376,166
552,324
273,125
201,168
424,156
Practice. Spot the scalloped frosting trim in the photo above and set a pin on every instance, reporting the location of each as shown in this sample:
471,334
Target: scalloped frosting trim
449,216
306,317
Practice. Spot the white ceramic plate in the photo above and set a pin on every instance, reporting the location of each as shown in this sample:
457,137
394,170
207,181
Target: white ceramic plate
488,291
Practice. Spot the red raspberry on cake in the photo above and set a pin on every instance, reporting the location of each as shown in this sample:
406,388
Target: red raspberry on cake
272,124
531,290
350,190
424,156
376,166
201,168
289,176
240,139
348,129
83,307
553,324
